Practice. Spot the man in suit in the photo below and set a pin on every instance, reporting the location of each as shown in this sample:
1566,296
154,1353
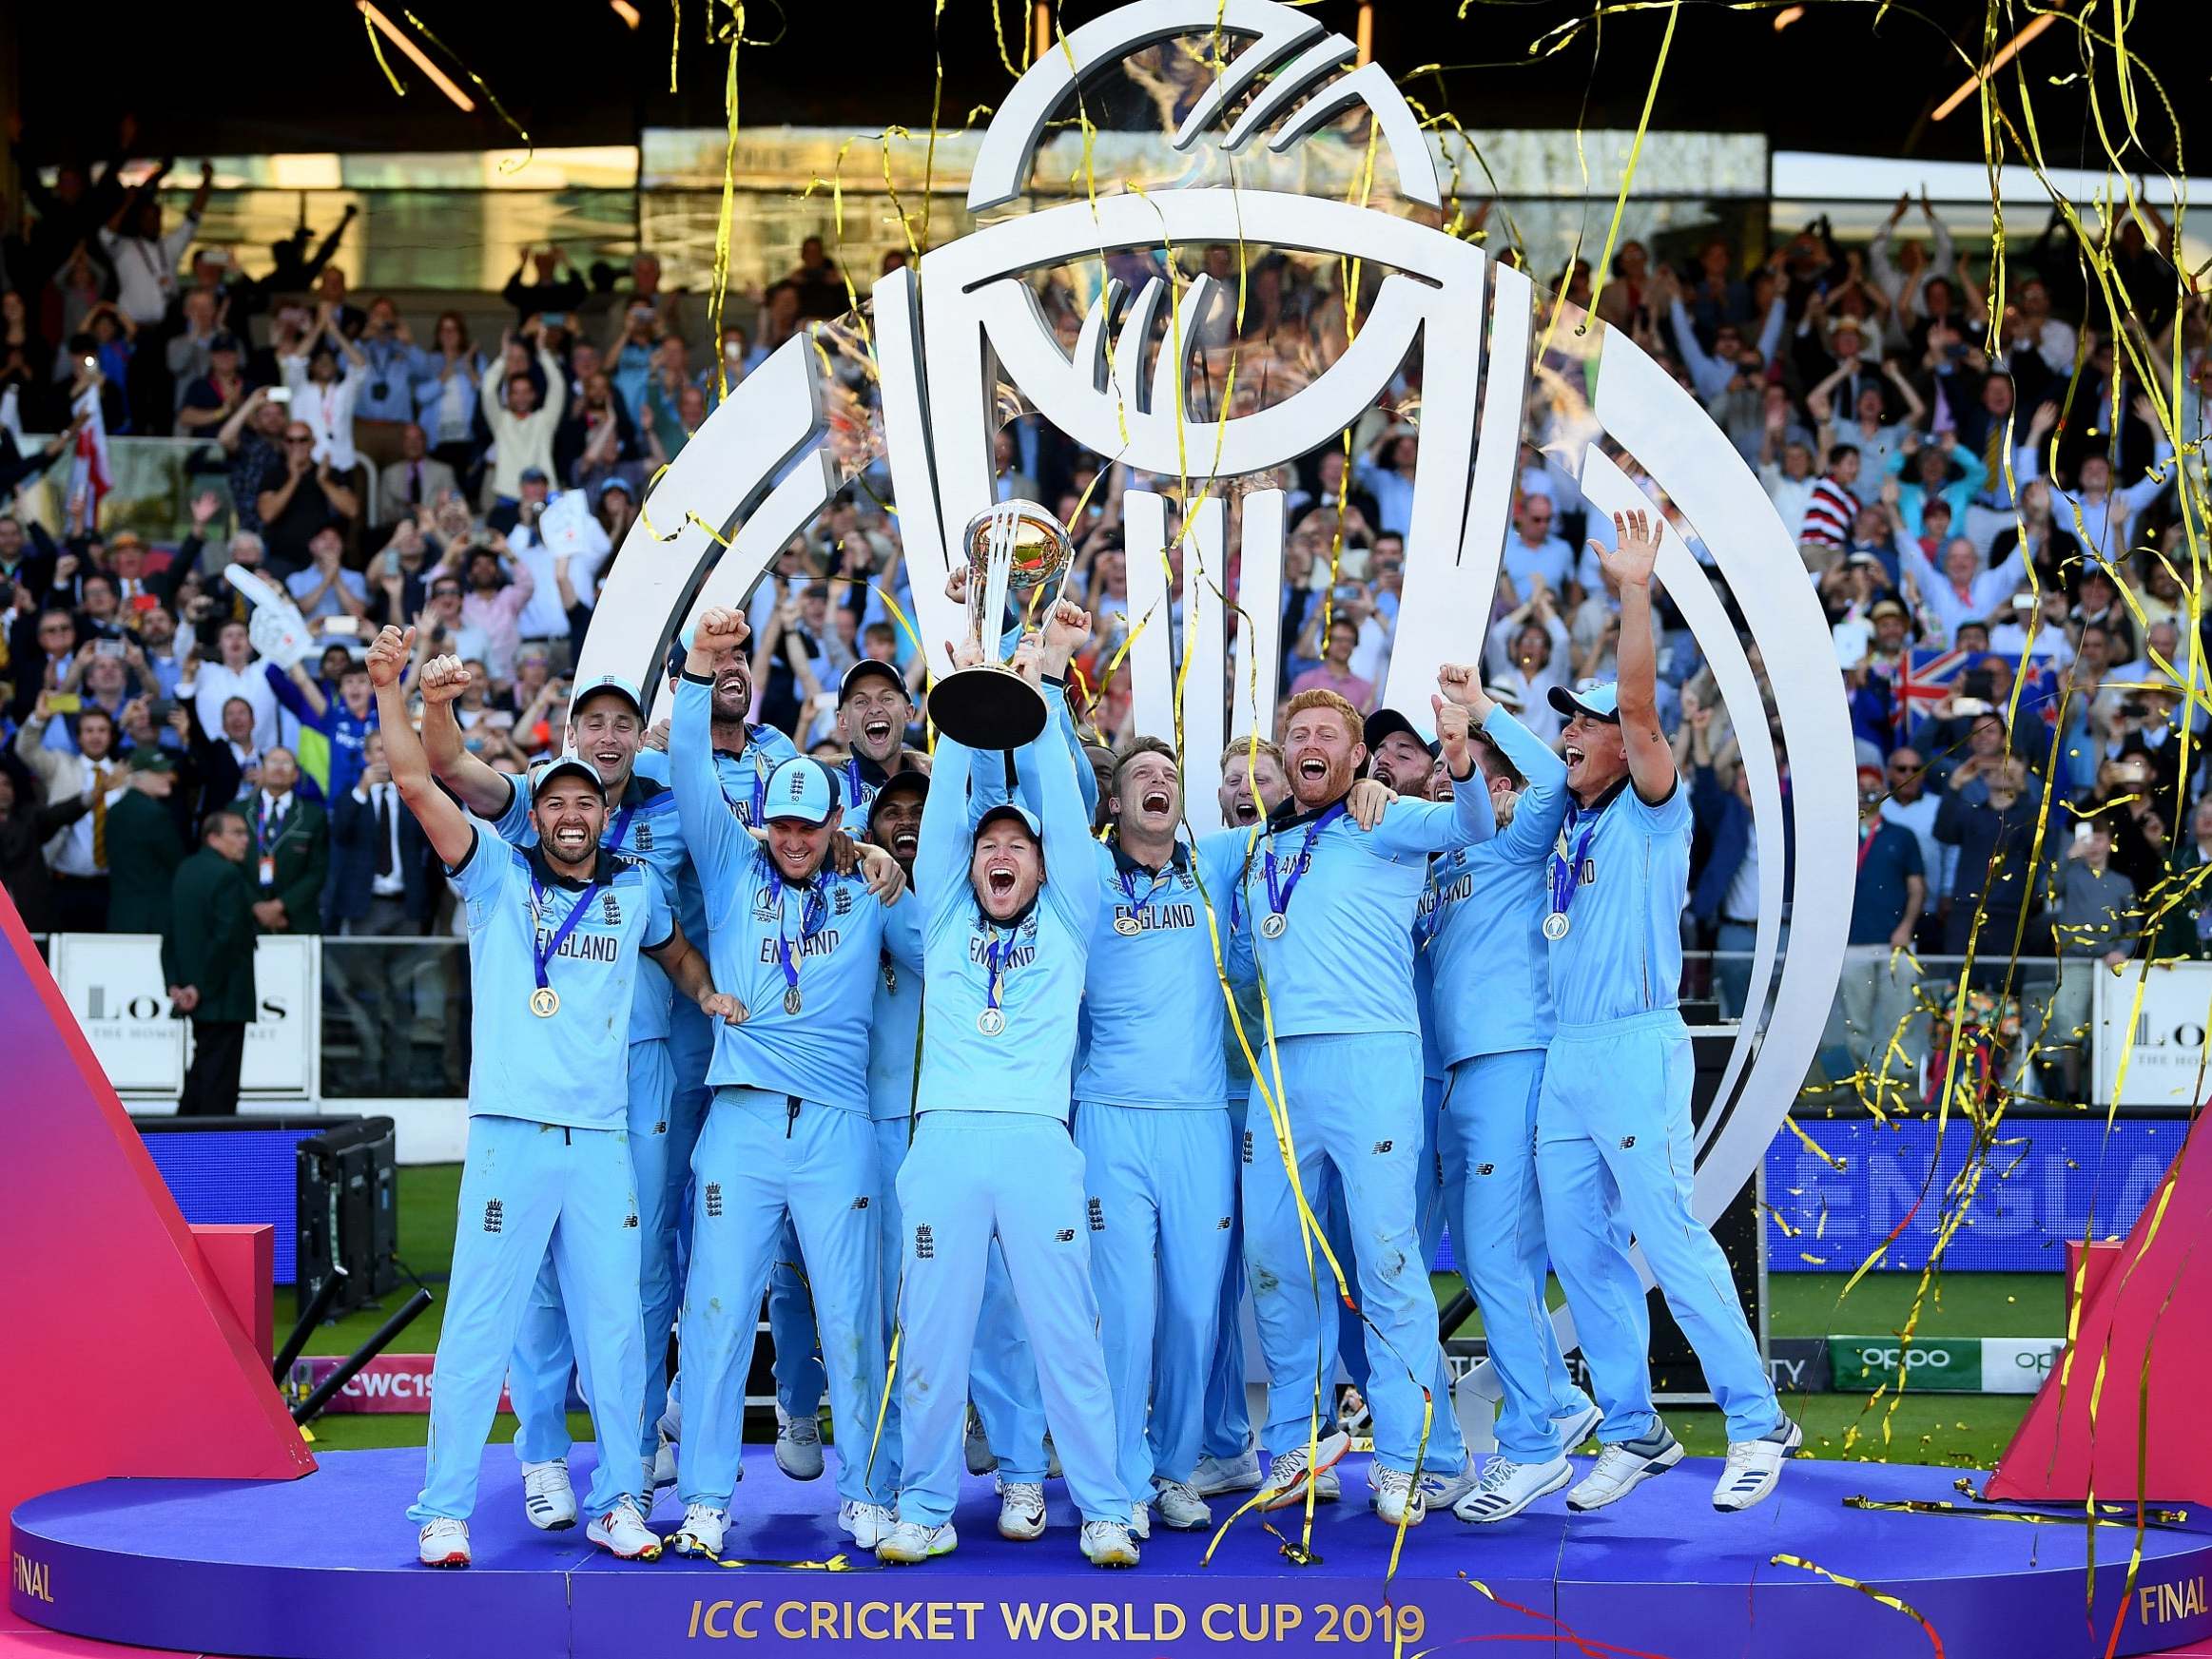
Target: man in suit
379,887
77,856
291,844
208,956
225,765
143,848
416,479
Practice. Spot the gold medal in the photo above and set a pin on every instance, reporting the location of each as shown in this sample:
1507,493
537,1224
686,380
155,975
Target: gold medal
545,1002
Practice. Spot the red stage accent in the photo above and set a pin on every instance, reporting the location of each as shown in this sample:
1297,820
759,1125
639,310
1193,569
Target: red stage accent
242,1258
2155,1297
101,1263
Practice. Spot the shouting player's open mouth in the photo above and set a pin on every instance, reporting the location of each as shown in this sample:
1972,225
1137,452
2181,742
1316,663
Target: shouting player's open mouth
1156,802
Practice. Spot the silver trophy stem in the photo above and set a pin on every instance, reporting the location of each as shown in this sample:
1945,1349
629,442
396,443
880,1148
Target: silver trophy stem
991,623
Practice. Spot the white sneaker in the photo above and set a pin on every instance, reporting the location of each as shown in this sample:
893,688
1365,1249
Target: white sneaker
1140,1521
1021,1510
1507,1488
1398,1500
1440,1491
1622,1467
1578,1426
1216,1476
443,1542
1289,1474
664,1464
868,1523
1108,1544
981,1460
547,1499
799,1446
1754,1466
623,1533
1181,1508
701,1534
909,1542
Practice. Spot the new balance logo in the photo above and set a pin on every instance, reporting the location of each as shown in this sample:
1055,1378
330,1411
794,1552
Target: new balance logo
1485,1169
630,1222
1066,1235
1382,1147
1626,1142
714,1201
495,1212
1097,1216
1225,1223
924,1246
861,1202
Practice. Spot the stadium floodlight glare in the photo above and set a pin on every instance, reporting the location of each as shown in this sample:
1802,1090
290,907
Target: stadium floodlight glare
438,78
2005,53
625,10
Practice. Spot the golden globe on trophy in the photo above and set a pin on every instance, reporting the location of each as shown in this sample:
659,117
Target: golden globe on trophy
1018,556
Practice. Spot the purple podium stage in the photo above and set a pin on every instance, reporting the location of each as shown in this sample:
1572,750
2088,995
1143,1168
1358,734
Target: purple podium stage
324,1568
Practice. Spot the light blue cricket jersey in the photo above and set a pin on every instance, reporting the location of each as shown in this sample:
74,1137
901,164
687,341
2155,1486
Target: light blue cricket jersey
1154,997
1345,961
642,825
572,1067
1487,948
1622,955
819,1054
893,1032
1029,1065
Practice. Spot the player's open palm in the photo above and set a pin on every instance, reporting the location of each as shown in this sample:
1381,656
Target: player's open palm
1636,549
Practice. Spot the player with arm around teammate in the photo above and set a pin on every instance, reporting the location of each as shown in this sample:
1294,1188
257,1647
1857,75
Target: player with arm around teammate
1614,1150
788,1134
554,939
1493,1018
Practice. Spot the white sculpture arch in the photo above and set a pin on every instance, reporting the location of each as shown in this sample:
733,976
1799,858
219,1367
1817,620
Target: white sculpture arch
938,364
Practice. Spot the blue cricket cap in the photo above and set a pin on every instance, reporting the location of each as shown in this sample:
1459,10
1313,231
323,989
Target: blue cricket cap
800,788
1600,700
610,685
544,776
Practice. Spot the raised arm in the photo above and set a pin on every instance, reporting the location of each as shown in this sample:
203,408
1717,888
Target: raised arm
716,840
1651,761
556,383
1049,778
1425,826
447,826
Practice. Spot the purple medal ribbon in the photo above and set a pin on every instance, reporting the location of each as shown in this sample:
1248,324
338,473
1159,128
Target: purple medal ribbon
540,957
1281,886
1564,872
812,914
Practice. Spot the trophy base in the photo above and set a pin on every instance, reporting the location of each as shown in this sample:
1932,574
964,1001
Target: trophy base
988,708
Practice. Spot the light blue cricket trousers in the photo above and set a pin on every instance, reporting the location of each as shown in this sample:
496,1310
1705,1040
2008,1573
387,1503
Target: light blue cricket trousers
1612,1149
970,1178
762,1157
1431,1209
537,1377
1487,1138
527,1190
1354,1101
1228,1417
1159,1181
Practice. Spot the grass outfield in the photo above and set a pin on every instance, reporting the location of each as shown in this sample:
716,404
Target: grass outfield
1966,1430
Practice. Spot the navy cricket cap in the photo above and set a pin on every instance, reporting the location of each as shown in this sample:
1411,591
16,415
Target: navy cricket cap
544,776
1027,819
613,686
877,667
1384,721
909,782
1600,701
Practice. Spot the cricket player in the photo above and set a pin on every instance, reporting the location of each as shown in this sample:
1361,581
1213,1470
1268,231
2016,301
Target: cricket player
1009,908
1613,1136
1493,1020
788,1134
874,708
1332,907
607,722
554,939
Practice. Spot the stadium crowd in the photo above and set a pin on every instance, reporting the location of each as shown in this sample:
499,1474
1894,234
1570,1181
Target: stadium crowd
2006,586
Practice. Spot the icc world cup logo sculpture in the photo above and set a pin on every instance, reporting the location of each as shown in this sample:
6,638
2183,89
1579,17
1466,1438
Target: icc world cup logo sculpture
948,332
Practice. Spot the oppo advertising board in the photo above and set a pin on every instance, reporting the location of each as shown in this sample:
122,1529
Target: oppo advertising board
2165,1051
114,985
